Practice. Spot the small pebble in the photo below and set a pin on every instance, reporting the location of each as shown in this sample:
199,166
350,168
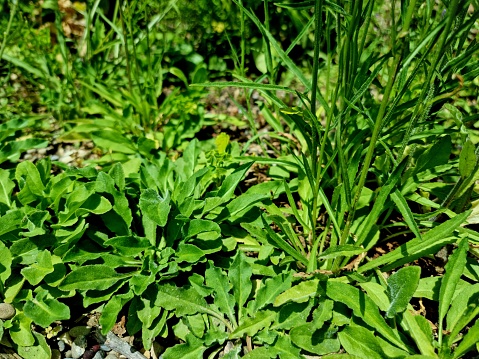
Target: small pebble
7,311
78,347
68,354
98,355
105,348
111,356
61,345
79,331
56,354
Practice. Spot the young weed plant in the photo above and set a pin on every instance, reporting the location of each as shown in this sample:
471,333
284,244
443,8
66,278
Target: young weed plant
377,163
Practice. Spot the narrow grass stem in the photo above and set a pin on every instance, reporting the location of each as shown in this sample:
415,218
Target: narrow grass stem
430,76
13,10
372,144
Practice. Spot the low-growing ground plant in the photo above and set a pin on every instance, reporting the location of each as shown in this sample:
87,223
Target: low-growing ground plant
359,241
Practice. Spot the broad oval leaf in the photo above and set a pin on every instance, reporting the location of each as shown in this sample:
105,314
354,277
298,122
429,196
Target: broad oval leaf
155,207
401,287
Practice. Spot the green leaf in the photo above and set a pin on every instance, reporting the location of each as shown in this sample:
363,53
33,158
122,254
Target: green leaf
182,301
420,331
239,275
35,273
401,287
468,341
464,308
111,310
454,269
192,349
228,187
189,253
5,264
364,308
112,140
438,154
406,212
118,175
6,188
300,293
44,311
292,315
360,342
216,279
285,349
96,276
28,177
198,226
272,287
155,207
11,221
251,326
341,250
314,340
40,349
128,245
21,332
467,159
433,240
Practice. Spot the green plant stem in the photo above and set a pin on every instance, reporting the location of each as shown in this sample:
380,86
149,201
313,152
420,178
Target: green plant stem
13,10
372,145
316,165
431,76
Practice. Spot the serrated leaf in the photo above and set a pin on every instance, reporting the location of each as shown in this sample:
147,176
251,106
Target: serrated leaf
90,277
251,326
363,307
155,207
314,340
240,277
467,159
44,311
216,279
300,293
271,289
454,269
401,287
